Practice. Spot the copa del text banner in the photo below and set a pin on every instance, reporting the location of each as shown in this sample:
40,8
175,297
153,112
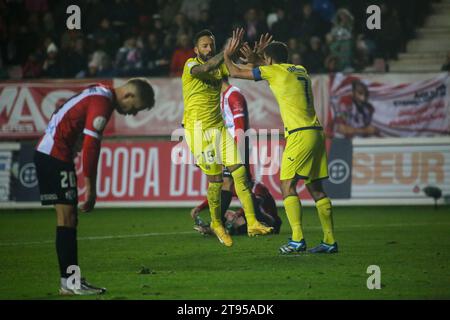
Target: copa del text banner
163,171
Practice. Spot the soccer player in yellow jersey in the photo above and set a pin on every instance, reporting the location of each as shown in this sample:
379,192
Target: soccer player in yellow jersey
207,137
305,156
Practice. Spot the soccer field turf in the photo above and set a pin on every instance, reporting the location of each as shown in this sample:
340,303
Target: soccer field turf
411,245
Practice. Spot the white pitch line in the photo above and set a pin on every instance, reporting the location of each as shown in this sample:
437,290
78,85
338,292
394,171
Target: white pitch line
124,236
143,235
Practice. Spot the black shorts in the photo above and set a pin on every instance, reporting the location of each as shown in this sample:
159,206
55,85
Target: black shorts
226,173
57,180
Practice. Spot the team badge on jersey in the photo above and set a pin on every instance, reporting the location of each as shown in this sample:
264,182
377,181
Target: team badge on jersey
99,123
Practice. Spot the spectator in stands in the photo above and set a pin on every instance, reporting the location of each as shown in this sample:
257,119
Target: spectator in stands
100,65
24,24
341,35
155,58
181,55
314,56
106,68
361,58
106,38
193,8
308,25
281,30
180,26
159,29
325,9
123,16
129,59
51,67
97,11
331,64
77,56
294,46
446,65
32,67
296,59
169,8
92,70
204,21
49,23
143,28
253,26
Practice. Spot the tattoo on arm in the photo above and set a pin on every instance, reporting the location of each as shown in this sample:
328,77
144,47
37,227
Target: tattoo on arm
211,64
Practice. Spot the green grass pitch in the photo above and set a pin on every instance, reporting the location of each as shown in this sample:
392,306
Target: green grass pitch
411,245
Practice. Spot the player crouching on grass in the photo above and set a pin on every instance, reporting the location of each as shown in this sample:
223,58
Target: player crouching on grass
304,156
82,117
266,212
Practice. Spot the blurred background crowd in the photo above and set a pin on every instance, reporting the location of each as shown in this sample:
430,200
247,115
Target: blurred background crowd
123,38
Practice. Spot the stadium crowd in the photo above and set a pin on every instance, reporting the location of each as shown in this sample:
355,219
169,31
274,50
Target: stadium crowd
124,38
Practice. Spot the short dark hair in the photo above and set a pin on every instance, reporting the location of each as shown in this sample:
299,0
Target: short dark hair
202,33
144,92
359,83
278,51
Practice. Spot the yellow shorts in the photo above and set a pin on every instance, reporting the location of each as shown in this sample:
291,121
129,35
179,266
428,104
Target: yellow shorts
213,148
305,156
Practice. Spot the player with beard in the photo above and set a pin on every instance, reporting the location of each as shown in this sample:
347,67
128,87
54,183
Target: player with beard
208,139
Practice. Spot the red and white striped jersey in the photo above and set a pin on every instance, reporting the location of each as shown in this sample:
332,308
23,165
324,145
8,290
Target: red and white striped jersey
234,110
84,116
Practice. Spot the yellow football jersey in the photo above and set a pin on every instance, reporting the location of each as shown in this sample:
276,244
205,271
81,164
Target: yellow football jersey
201,95
291,86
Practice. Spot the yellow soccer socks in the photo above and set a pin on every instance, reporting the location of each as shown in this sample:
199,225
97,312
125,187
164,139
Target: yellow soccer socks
326,220
213,195
293,209
244,194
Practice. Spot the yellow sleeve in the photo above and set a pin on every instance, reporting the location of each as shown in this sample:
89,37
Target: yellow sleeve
224,70
266,72
190,63
262,73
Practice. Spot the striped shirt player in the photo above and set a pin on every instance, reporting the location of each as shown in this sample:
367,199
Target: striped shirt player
233,107
234,110
84,116
80,121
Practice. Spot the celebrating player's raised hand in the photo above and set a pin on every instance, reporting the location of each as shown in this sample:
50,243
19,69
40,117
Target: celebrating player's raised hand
264,41
234,43
249,55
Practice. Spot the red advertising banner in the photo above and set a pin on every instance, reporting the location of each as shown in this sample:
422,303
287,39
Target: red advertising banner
26,108
158,171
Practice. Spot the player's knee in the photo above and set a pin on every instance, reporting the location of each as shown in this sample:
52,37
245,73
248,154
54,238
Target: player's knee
317,195
287,188
234,167
67,216
227,184
215,178
67,221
